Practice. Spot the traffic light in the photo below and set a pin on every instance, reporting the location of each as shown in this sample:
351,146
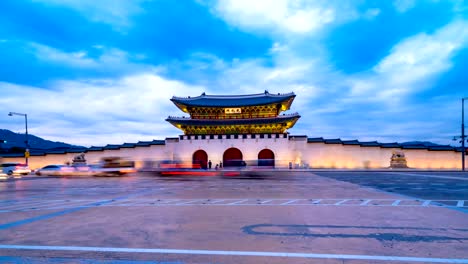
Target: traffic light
3,141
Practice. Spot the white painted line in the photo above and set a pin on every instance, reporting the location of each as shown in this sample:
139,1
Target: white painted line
168,201
217,201
291,201
238,253
36,204
426,203
238,202
264,202
397,202
365,202
317,201
460,203
191,201
17,205
341,202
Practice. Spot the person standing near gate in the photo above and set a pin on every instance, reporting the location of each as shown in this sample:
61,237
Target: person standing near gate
209,164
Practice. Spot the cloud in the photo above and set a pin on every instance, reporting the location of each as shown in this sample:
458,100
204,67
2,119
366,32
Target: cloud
75,59
104,59
116,13
404,5
412,62
282,15
371,13
98,111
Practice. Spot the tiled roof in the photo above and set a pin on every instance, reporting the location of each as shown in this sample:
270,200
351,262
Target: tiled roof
315,140
128,145
432,147
76,150
93,148
112,147
390,145
370,144
350,142
332,141
232,100
218,122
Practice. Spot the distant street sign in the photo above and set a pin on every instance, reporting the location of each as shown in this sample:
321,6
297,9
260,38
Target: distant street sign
26,154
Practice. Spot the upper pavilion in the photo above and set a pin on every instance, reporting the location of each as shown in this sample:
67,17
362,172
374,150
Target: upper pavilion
234,114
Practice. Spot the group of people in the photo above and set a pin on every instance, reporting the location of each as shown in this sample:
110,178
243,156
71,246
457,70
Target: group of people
220,165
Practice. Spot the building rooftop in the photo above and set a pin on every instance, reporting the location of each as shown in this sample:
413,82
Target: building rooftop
205,100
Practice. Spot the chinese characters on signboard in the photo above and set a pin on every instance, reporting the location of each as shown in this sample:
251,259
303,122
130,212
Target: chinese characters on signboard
232,110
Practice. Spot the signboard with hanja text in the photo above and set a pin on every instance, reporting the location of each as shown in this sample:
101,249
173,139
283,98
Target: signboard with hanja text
232,110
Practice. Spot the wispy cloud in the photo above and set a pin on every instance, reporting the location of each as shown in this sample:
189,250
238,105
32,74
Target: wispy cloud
116,13
404,5
98,111
282,15
412,62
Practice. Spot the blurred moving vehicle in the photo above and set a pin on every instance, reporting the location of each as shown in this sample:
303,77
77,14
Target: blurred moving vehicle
56,170
14,168
113,166
179,168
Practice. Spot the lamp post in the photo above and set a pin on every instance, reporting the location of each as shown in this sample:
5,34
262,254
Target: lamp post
26,154
463,133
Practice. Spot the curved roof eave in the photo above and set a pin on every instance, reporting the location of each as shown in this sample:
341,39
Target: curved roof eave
233,100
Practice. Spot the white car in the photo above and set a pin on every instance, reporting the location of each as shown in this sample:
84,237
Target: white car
14,168
56,170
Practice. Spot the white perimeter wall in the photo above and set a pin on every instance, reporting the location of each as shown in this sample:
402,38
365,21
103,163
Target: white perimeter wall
294,149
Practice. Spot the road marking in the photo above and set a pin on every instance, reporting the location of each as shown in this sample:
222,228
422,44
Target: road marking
290,201
365,202
340,202
343,202
237,253
217,201
238,202
191,201
317,201
426,203
10,259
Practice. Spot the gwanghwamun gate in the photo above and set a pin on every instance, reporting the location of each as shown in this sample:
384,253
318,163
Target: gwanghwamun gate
252,128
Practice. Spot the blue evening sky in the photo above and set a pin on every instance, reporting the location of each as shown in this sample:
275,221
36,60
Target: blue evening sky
101,72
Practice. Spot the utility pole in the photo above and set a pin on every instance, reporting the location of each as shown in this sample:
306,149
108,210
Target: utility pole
463,150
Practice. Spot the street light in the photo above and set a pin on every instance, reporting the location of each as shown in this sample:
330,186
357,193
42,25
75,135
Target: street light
26,154
463,133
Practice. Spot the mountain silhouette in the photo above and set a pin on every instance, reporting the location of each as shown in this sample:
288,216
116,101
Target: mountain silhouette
17,140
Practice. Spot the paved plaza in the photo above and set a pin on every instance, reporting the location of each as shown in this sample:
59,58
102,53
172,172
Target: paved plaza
281,217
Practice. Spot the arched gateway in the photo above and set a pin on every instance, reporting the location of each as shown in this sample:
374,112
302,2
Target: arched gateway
200,157
266,157
232,157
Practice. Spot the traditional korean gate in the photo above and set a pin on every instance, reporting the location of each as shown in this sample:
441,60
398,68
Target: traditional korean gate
266,157
200,157
232,157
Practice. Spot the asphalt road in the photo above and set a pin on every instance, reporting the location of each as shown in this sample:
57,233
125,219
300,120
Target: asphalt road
424,185
280,217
